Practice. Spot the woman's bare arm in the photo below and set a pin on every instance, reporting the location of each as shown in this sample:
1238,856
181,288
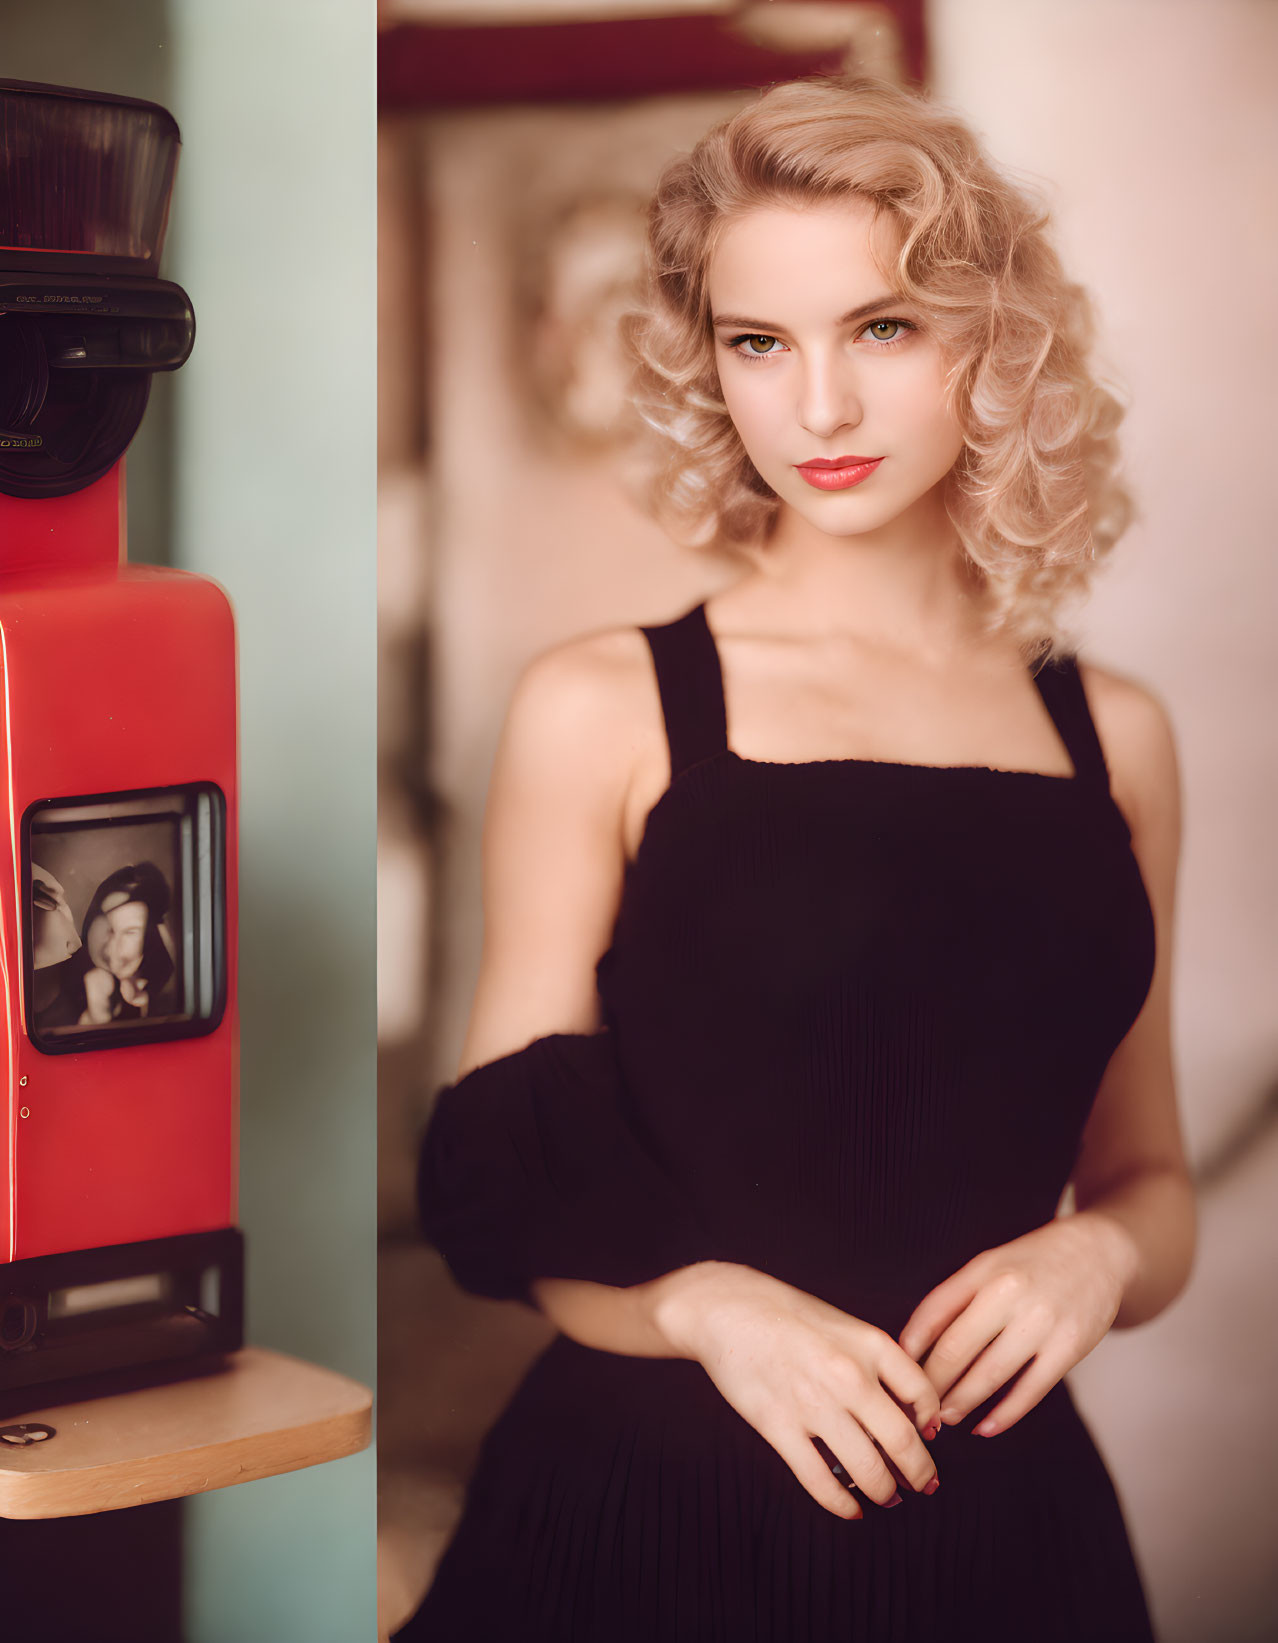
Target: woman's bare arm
553,852
1131,1176
553,864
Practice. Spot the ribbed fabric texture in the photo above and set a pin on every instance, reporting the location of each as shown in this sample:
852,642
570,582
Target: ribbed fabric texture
529,1169
857,1014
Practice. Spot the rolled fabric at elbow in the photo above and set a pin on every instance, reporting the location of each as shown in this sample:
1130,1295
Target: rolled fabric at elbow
530,1167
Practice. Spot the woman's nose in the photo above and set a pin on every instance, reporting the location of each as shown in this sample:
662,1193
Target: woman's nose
827,399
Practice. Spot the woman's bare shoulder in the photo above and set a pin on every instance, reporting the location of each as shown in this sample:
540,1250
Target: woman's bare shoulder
586,718
590,694
608,658
584,725
555,830
1136,736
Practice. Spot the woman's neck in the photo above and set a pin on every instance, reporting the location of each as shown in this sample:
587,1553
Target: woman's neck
906,586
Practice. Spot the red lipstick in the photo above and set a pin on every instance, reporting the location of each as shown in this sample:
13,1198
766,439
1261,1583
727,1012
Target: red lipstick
837,473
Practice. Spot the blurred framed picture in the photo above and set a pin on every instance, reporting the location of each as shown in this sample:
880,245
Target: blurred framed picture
125,917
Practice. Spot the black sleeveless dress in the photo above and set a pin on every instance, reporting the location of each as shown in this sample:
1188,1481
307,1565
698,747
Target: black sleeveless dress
862,1009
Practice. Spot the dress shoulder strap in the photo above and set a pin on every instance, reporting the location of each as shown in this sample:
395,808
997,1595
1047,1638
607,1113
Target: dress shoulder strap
1061,686
690,680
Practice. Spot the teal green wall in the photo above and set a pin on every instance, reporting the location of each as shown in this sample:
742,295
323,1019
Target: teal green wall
275,239
256,466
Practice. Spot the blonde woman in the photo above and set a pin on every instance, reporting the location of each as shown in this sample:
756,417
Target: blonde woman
830,919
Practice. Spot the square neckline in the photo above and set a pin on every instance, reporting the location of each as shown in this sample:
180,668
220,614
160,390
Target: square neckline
1071,779
689,678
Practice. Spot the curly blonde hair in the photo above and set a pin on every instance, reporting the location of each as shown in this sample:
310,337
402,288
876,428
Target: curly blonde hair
1034,496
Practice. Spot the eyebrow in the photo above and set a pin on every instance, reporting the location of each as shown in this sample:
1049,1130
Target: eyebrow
866,308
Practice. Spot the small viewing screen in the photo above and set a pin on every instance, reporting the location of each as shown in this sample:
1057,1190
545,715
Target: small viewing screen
126,911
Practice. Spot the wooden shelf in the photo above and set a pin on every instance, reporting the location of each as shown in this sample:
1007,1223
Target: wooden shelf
248,1415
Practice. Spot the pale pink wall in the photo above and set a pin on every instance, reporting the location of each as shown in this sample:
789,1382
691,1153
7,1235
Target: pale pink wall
1153,125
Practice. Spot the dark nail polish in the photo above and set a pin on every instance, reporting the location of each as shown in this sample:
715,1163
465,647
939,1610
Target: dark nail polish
931,1486
895,1500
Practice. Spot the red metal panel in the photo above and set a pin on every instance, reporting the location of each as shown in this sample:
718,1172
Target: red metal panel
114,678
84,528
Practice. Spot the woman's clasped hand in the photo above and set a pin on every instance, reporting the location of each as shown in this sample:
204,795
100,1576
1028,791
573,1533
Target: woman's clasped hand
1049,1296
813,1380
799,1370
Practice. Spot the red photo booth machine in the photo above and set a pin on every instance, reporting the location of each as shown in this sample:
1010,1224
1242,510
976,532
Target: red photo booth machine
118,1243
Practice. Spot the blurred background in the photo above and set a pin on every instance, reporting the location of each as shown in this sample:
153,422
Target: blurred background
255,465
518,140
